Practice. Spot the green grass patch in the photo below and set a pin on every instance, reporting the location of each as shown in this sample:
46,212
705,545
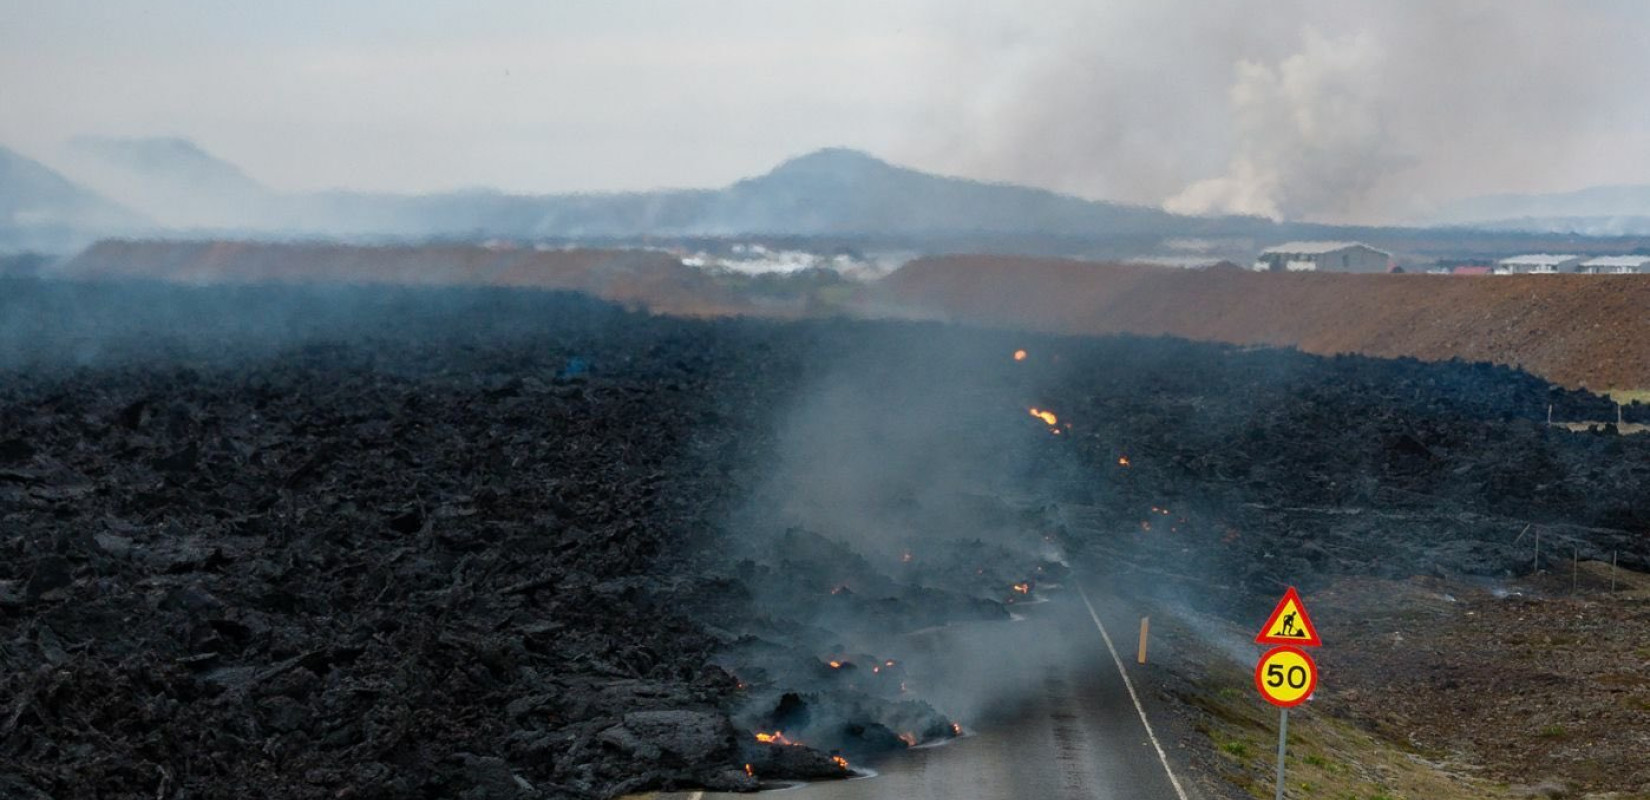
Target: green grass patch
1625,396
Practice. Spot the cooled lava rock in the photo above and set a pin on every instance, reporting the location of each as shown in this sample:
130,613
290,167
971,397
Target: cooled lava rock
375,542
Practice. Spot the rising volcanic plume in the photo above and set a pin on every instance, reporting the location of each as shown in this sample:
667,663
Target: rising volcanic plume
1364,112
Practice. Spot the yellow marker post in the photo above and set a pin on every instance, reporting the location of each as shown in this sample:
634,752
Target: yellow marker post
1145,628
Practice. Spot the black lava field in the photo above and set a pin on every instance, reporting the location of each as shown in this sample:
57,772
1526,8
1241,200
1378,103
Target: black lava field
383,543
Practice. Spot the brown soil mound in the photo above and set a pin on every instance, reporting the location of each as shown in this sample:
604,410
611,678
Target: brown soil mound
1577,330
632,277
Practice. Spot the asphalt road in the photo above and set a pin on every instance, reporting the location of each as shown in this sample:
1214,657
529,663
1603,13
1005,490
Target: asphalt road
1050,712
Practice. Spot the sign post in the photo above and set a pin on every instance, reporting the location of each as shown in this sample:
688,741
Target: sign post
1285,675
1283,737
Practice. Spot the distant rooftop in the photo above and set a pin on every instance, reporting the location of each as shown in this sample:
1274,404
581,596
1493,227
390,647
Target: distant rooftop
1315,248
1538,260
1617,261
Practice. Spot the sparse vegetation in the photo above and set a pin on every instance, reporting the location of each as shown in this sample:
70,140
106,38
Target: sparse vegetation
1329,756
1630,396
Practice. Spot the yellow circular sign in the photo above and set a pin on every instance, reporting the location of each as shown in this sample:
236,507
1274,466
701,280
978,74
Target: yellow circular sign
1286,676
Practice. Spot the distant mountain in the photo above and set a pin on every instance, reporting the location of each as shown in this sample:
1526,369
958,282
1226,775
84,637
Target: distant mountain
837,191
833,191
829,192
42,210
1615,225
173,181
1594,211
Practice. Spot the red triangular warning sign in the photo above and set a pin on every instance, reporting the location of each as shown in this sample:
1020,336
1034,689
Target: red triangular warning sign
1289,624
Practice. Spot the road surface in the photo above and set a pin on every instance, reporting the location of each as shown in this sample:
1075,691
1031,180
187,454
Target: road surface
1050,712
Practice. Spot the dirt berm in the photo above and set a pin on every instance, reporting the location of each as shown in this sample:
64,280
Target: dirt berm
1576,330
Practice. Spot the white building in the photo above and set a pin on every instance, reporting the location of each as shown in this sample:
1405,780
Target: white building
1323,257
1537,264
1615,265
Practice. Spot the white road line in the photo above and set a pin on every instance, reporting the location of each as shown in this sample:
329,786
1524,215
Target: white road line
1128,684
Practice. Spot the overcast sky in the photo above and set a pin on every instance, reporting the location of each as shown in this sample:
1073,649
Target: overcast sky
1328,110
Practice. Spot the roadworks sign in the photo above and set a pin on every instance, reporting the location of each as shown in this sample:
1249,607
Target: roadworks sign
1289,624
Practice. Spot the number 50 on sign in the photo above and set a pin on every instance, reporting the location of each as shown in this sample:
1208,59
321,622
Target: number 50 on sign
1286,676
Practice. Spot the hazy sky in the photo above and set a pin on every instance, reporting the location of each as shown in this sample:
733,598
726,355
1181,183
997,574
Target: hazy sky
1324,109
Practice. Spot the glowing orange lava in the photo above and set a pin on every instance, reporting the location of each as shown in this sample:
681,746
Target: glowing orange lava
840,761
1022,588
749,771
956,730
1019,355
1047,417
910,739
777,737
836,665
1122,461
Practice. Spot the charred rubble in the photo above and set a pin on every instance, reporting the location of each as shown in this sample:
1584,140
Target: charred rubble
303,542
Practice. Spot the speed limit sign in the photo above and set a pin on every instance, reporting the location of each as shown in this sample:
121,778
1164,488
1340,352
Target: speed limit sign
1286,676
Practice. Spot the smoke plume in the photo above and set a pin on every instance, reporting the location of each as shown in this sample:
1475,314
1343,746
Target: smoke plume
1356,111
1311,138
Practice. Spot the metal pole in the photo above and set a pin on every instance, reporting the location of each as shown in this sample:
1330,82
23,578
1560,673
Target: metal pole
1283,736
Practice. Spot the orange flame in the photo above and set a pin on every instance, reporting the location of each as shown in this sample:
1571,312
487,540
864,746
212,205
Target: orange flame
777,737
910,739
1122,461
956,730
836,664
1022,588
749,771
1047,417
840,761
1019,355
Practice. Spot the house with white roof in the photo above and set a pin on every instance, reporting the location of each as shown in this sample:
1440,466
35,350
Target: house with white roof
1537,264
1323,257
1615,265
